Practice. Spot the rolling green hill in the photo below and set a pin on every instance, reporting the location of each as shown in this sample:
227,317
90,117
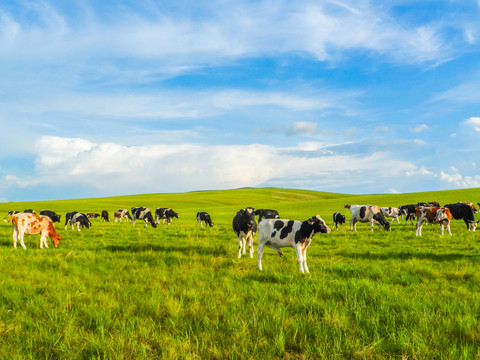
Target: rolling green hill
180,291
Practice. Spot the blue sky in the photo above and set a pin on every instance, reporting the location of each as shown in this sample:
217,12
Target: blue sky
127,97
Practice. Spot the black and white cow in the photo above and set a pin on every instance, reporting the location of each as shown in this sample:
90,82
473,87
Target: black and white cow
409,212
81,220
203,216
266,214
367,213
165,214
68,218
29,211
338,219
245,227
462,211
278,233
391,212
51,214
143,213
104,215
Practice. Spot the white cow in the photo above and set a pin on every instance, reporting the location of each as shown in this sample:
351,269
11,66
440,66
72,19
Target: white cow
391,212
367,213
278,233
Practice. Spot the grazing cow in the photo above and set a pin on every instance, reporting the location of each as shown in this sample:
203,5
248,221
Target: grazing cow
29,211
391,212
91,215
68,218
367,213
266,214
51,214
431,215
165,214
276,233
143,213
104,215
31,224
463,211
120,214
203,216
338,219
244,226
81,220
409,211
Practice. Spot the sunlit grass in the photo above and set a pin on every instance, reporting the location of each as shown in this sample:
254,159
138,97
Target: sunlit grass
179,291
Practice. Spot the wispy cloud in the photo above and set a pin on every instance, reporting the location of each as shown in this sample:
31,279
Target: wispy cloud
420,128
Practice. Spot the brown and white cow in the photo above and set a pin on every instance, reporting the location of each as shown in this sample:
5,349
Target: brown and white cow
432,215
31,224
120,214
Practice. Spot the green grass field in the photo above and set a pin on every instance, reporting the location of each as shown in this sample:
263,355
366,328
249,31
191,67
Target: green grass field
180,292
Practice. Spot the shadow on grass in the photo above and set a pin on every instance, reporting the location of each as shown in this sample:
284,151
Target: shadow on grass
409,255
197,250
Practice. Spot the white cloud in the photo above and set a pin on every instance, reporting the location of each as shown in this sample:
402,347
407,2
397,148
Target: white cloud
475,122
117,169
459,180
420,128
302,128
423,171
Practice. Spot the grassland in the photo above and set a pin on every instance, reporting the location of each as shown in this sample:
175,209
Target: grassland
180,292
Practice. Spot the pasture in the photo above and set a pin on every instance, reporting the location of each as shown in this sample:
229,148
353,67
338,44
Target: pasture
180,292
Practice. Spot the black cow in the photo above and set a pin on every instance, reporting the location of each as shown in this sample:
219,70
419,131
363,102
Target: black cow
245,227
165,214
51,214
68,218
461,211
205,217
29,211
409,211
104,215
266,214
81,220
338,219
143,213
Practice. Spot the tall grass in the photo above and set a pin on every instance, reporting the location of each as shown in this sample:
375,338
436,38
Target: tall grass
179,291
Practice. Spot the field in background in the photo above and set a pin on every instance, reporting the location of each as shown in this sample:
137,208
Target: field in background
179,291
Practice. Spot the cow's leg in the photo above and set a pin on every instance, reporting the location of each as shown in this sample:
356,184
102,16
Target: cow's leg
418,230
447,223
298,250
241,245
250,244
78,226
351,223
371,224
304,254
15,235
261,245
21,241
277,249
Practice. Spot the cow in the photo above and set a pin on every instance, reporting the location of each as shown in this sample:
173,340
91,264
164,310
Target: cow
143,213
367,213
338,219
31,224
203,216
391,212
120,214
9,214
409,211
465,212
81,220
91,215
68,218
432,215
245,227
29,211
104,215
266,214
472,205
51,214
165,214
278,233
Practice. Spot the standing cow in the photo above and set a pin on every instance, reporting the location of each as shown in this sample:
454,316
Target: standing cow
81,220
391,212
465,212
245,226
120,214
205,217
276,233
31,224
165,214
367,213
104,216
51,214
338,219
432,215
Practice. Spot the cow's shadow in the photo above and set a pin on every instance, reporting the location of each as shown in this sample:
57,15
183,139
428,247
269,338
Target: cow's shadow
408,255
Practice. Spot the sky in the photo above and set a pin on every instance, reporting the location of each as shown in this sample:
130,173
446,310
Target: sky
105,98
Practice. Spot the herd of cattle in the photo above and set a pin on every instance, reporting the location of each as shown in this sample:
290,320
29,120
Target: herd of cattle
272,231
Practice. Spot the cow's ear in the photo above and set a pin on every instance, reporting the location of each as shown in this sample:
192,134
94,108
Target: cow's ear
312,220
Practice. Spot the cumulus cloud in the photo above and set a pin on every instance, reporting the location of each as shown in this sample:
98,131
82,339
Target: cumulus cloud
118,169
455,177
474,122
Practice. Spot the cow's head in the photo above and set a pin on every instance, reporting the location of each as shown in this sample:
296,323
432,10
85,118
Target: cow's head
346,206
52,234
248,216
381,219
442,214
341,219
318,224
